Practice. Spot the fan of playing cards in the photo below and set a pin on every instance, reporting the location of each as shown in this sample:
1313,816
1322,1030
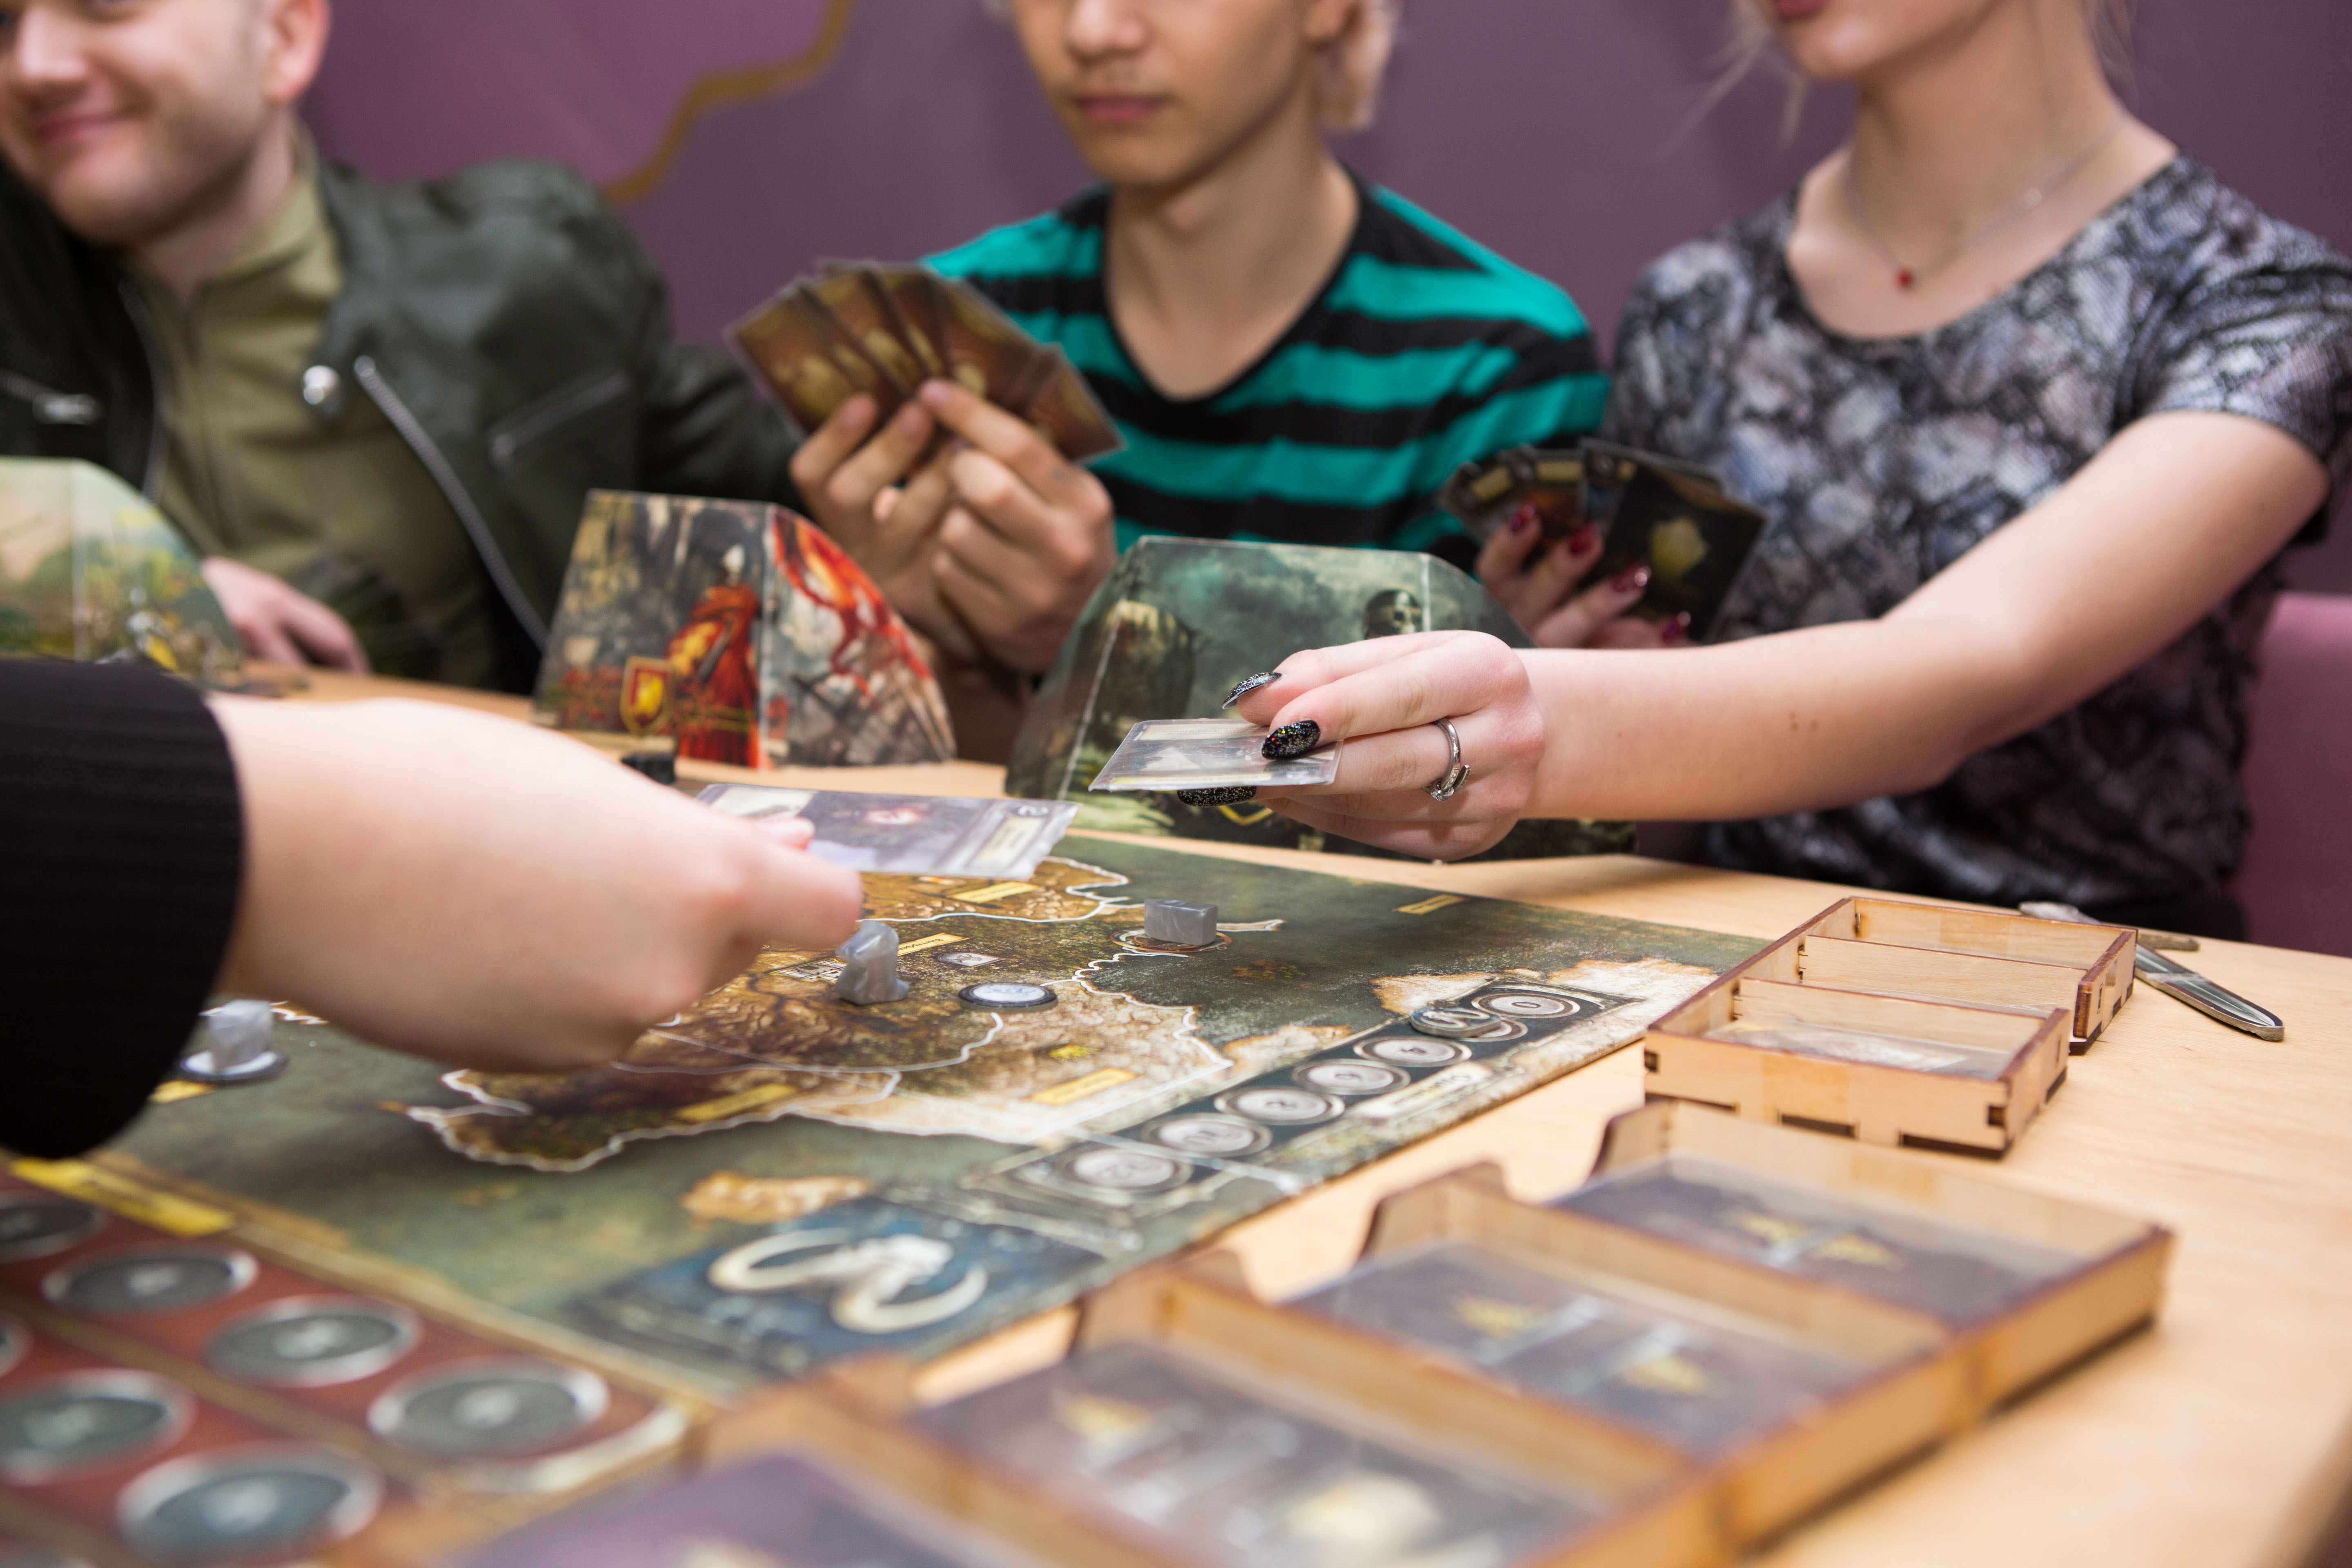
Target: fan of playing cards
1660,513
883,331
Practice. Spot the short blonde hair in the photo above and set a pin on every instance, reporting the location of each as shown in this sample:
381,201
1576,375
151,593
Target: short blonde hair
1356,63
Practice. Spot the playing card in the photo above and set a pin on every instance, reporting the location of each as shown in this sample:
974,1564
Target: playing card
861,308
1702,1378
913,297
1911,1257
933,836
792,344
1207,753
985,352
1072,417
1692,536
1220,1473
1485,495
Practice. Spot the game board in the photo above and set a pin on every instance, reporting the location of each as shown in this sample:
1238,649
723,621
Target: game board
776,1179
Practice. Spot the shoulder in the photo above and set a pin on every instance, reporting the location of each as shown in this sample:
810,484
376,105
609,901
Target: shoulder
1406,262
2193,237
1054,244
1708,283
506,193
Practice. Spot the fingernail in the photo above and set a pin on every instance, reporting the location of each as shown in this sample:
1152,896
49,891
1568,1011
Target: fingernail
1584,539
1522,519
936,393
1676,628
1232,796
1292,740
1631,580
912,419
1249,683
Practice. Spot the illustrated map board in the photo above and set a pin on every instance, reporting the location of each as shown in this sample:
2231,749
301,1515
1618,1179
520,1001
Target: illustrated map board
776,1179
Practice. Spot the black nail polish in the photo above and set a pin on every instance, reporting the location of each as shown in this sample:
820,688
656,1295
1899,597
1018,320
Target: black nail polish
1292,740
1249,683
1232,796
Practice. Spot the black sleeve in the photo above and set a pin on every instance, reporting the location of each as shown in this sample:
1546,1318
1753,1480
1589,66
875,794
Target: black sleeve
124,851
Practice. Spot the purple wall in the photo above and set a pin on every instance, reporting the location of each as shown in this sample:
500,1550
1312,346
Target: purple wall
1553,129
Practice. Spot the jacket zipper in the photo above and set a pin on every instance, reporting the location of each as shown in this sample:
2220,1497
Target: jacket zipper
380,391
507,443
151,485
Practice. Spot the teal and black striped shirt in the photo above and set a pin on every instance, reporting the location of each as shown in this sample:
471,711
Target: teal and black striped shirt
1424,351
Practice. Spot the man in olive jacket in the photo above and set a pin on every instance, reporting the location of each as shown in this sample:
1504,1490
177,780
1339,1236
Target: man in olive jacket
396,397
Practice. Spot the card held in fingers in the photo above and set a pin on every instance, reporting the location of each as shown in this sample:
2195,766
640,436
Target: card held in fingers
1694,539
1067,411
793,346
865,315
1207,753
987,353
918,835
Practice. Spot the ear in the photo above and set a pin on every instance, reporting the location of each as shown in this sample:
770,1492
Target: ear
1328,21
294,44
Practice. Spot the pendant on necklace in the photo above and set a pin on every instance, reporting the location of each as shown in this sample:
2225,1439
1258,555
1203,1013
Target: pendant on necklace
1904,278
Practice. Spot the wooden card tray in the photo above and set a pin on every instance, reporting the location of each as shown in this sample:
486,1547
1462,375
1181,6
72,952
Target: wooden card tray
1973,957
1914,1393
1898,1022
2028,1284
1300,1362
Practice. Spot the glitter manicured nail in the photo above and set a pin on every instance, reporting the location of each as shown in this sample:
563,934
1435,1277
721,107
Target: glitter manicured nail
1249,683
1292,740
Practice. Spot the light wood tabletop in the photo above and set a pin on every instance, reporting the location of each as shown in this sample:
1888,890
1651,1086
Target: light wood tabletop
2222,1436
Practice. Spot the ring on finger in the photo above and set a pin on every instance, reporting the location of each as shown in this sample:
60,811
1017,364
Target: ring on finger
1457,772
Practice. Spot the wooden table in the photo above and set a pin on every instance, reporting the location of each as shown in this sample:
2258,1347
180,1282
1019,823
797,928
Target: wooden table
2222,1436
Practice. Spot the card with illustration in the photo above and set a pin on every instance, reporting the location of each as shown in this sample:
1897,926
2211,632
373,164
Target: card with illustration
1219,1472
1910,1257
739,632
1207,753
918,835
1486,495
1692,537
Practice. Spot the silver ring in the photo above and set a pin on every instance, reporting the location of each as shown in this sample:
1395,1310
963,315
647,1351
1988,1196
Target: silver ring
1457,772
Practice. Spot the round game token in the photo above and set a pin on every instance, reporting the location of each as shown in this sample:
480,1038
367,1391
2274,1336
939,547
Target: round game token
1204,1134
1457,1023
146,1281
1123,1170
1002,994
1350,1077
488,1409
39,1225
1283,1107
1409,1051
61,1426
1529,1004
313,1341
13,1339
266,1502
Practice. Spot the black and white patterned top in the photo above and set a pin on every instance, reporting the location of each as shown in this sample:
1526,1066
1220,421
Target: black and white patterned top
1881,462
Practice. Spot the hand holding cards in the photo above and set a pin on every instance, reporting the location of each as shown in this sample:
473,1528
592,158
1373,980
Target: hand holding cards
883,331
1669,517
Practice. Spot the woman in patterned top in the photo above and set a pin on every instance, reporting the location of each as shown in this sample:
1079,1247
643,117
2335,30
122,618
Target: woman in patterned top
2034,401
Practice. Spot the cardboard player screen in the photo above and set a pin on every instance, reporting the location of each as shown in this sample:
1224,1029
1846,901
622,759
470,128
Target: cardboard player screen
1179,621
740,632
776,1178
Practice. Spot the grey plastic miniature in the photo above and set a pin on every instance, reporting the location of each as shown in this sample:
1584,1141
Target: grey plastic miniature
235,1046
1178,924
871,957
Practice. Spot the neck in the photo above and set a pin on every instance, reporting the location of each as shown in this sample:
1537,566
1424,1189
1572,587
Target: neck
225,218
1229,257
1954,137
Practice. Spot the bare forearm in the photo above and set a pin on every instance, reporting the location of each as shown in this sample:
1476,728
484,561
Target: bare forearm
1806,718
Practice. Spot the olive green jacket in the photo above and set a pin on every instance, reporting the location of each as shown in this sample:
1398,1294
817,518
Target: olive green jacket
503,320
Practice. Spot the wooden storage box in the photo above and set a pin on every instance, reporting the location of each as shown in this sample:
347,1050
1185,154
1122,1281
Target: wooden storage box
1896,1023
1654,1517
2028,1284
1916,1391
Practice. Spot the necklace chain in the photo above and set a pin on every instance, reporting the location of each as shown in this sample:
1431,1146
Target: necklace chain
1907,275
